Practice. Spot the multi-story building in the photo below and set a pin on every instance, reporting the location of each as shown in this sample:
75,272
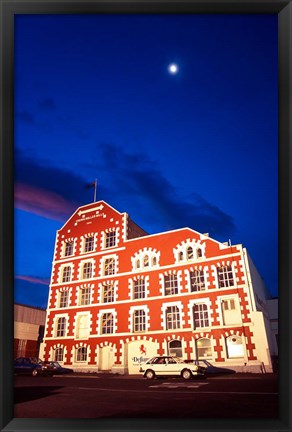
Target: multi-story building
119,296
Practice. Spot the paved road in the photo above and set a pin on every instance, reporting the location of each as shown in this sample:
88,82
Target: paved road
109,396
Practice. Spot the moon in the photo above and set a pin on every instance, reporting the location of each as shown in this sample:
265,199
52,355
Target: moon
173,68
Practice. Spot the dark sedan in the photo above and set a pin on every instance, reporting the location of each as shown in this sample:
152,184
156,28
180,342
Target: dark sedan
31,366
57,368
210,369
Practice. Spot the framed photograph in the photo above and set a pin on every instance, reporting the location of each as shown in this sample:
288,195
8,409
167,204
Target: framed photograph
168,124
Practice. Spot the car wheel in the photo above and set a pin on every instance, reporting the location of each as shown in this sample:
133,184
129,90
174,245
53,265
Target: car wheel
149,374
34,372
186,374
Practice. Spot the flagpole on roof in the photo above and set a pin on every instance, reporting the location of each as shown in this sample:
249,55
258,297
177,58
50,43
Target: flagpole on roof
95,187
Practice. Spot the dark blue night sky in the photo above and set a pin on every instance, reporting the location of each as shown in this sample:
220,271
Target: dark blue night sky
94,98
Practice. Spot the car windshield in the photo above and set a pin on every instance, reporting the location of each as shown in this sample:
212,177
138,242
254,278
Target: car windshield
35,360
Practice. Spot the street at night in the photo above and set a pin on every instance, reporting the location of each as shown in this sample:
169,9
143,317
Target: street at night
240,396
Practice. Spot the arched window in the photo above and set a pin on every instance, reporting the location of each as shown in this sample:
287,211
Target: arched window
197,280
225,276
63,299
109,266
69,248
154,261
59,354
181,256
190,253
234,347
87,271
199,253
203,348
175,348
108,292
81,354
146,261
84,296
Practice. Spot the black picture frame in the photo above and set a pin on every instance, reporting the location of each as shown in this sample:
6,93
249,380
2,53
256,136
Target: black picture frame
8,9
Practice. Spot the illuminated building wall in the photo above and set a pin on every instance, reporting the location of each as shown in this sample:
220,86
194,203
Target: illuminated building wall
119,296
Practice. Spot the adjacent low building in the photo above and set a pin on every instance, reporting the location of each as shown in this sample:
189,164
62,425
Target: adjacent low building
119,296
29,325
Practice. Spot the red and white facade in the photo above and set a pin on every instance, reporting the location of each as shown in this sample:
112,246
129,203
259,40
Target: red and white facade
119,296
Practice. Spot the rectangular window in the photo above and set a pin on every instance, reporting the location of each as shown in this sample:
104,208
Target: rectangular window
139,323
61,327
108,293
69,248
201,317
139,289
85,296
87,271
172,318
64,297
109,266
171,284
110,239
225,277
107,323
89,244
66,275
197,280
228,304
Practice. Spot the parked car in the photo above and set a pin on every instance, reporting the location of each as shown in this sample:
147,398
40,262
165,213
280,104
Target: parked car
31,366
211,370
57,368
170,366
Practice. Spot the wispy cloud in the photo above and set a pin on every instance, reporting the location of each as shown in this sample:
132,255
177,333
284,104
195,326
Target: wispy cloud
131,182
33,279
137,178
46,190
42,202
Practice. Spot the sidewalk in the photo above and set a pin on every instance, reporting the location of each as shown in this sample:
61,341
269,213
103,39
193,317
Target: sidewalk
238,375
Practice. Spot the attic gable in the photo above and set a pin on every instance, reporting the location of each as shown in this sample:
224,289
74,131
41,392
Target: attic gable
92,213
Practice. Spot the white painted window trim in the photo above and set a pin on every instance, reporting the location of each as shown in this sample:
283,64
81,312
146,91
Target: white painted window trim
61,271
99,320
192,303
102,265
83,241
163,315
132,310
55,325
224,264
